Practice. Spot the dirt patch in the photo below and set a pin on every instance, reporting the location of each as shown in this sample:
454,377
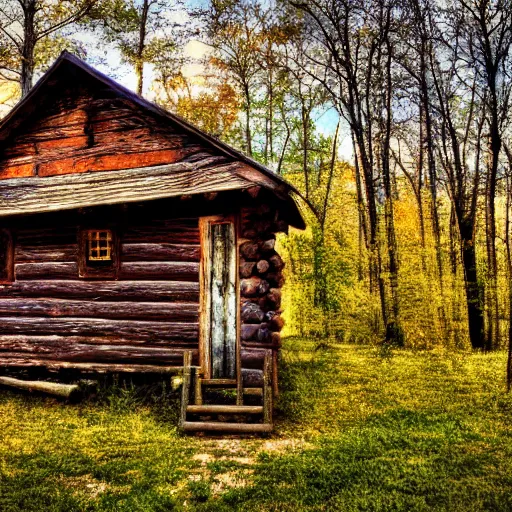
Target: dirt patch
203,458
230,480
84,484
284,445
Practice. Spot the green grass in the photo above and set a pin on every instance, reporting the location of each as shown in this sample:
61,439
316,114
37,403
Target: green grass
357,429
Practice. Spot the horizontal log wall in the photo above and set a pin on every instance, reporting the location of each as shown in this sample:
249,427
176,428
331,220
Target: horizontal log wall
145,318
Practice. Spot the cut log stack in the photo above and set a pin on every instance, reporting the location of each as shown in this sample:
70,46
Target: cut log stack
261,280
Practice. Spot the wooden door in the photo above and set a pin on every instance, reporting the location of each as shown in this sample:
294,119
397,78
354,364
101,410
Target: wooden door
219,298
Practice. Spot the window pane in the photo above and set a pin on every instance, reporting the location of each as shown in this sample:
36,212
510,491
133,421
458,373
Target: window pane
99,245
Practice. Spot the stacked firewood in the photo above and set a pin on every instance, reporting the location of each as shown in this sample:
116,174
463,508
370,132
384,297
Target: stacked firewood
261,279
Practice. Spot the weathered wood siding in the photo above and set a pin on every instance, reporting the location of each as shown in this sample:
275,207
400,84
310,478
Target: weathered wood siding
148,315
223,301
84,127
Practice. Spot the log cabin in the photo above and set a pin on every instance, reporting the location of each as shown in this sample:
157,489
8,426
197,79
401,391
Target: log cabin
131,241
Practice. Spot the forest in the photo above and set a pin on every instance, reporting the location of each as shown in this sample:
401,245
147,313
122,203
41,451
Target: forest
392,118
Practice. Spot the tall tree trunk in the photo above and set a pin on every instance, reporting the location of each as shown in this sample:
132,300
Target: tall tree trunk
491,332
473,287
361,208
393,330
495,147
432,175
320,250
366,172
139,64
508,247
509,267
29,44
248,134
285,143
305,145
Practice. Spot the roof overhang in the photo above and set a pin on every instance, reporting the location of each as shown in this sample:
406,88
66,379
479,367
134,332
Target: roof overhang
69,191
20,196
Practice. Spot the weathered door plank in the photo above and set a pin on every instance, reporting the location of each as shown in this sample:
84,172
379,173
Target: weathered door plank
223,301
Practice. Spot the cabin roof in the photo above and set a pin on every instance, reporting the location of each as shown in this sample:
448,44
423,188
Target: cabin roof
229,169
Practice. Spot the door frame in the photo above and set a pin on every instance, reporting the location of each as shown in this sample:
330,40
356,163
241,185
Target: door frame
205,361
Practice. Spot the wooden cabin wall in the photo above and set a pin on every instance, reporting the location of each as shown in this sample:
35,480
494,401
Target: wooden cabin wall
261,280
148,316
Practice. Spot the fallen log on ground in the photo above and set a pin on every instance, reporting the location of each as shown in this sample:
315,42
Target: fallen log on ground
69,391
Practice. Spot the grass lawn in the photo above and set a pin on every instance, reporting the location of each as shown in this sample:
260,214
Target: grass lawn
357,429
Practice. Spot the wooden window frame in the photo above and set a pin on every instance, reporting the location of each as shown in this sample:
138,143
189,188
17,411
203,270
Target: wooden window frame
205,361
86,270
9,258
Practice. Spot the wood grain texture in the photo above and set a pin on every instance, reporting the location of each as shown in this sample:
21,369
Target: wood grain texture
205,279
21,361
44,270
44,254
180,231
57,349
17,171
217,426
159,252
223,300
165,270
224,409
56,146
57,132
170,311
51,388
206,290
75,326
28,340
253,358
31,195
164,291
268,405
80,164
77,116
252,378
185,386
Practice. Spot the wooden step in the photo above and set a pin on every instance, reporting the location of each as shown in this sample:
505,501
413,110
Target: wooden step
198,426
253,391
225,409
218,382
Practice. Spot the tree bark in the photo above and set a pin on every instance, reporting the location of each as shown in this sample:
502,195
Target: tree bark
29,43
139,64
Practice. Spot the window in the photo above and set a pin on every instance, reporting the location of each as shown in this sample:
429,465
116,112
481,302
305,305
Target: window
6,257
97,258
99,246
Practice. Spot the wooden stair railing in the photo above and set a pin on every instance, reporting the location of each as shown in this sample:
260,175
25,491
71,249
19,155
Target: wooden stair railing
251,413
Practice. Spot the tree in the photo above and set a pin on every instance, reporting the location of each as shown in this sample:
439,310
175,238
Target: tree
233,31
351,55
487,35
142,30
28,25
211,105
